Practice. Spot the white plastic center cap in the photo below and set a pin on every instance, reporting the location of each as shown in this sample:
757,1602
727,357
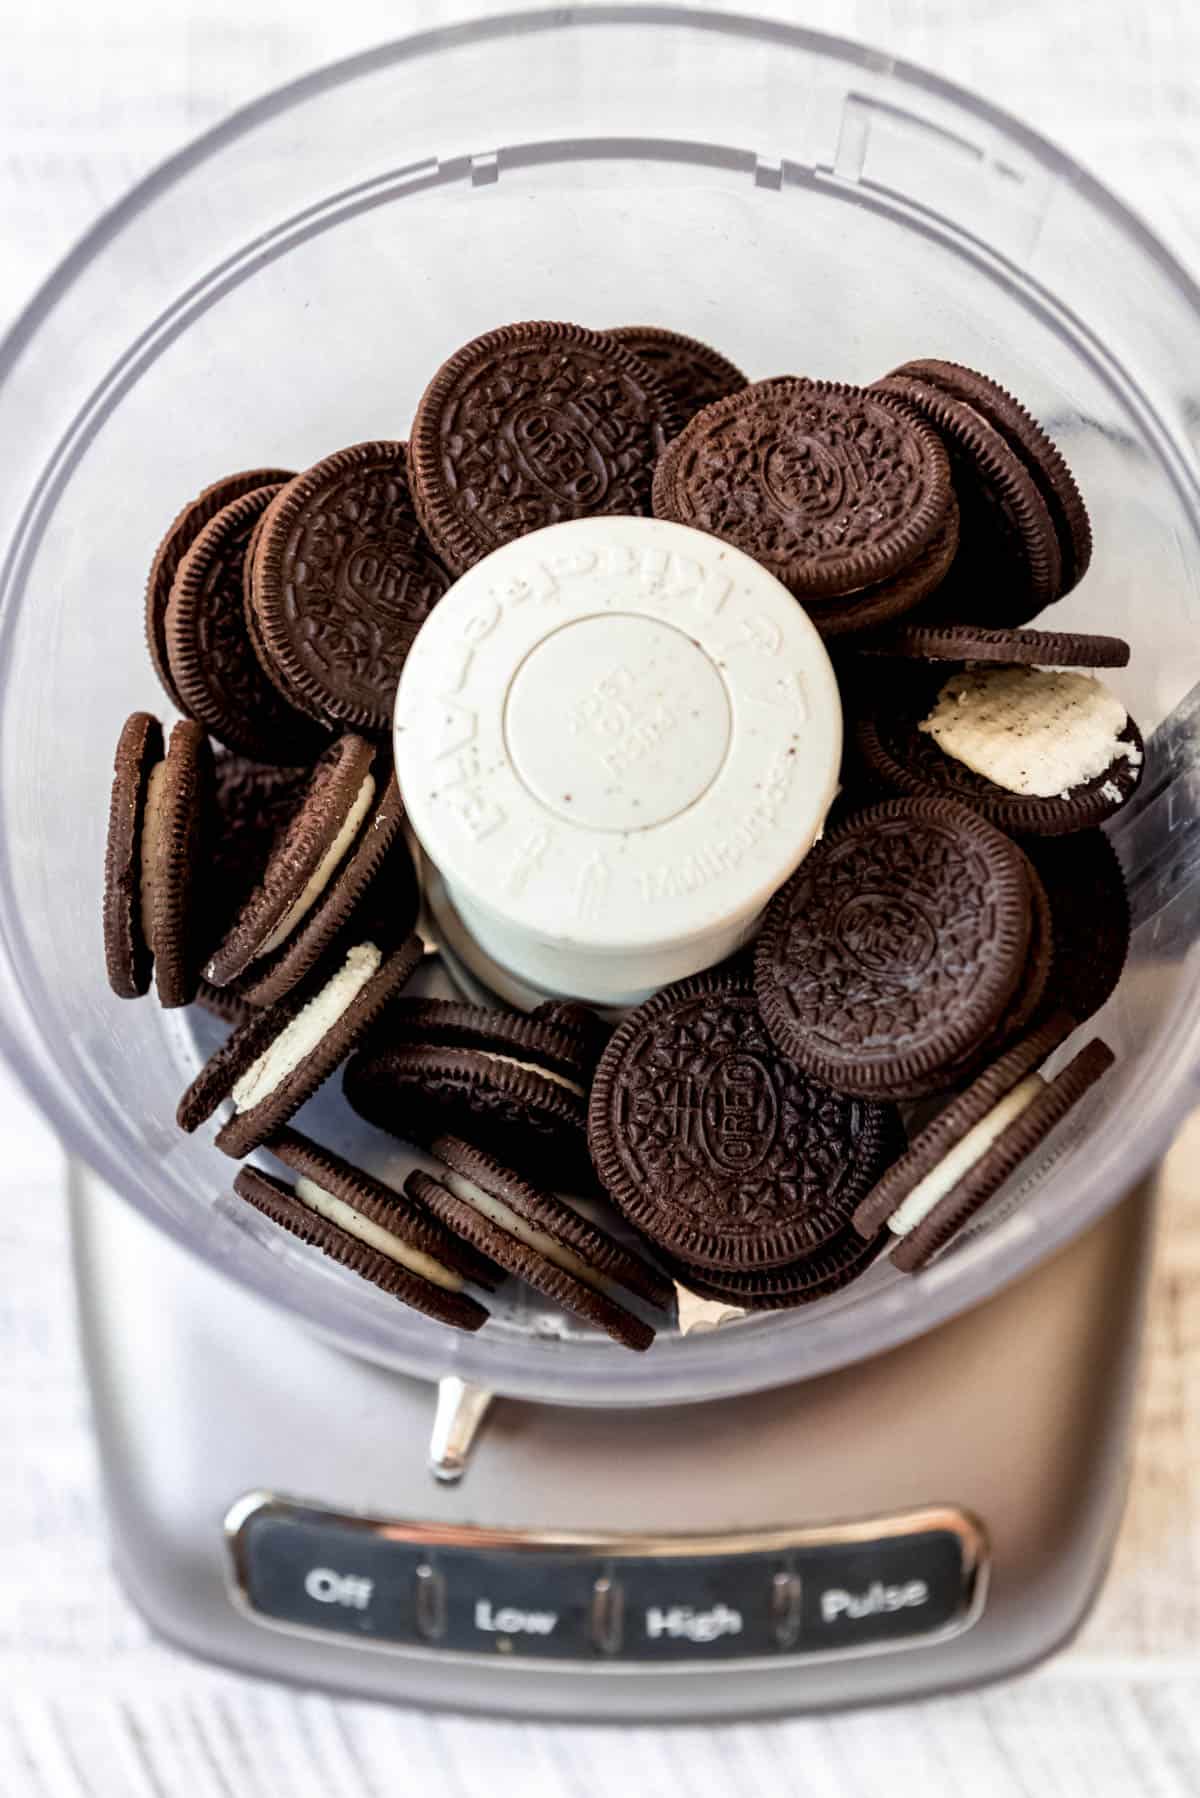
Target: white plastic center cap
615,738
618,722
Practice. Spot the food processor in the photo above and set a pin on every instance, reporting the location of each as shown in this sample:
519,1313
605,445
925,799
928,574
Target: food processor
911,1485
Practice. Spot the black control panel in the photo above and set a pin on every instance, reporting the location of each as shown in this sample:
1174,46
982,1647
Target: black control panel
485,1592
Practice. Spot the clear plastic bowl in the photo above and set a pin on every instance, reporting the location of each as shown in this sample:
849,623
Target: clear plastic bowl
288,284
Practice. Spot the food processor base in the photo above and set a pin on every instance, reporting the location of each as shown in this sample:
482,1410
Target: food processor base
759,1549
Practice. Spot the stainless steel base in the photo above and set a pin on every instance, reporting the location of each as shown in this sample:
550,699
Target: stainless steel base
1017,1413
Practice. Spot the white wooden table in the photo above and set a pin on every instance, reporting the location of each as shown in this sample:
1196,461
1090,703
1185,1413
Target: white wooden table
90,1706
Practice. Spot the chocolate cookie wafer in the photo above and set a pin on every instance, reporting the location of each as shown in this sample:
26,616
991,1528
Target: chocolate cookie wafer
213,664
530,425
1009,563
896,948
1041,457
974,643
693,373
517,1087
128,956
955,1165
715,1147
836,1264
1089,907
182,532
159,820
342,579
871,608
313,850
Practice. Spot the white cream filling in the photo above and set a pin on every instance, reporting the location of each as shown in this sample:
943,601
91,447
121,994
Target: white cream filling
531,1067
323,874
152,830
1036,731
506,1219
963,1156
301,1036
328,1205
697,1314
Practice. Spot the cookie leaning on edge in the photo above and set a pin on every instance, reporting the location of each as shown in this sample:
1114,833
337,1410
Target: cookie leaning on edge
331,612
214,666
273,1063
362,1235
344,823
182,532
158,818
1044,461
1009,562
693,373
540,1239
965,1155
382,1206
1089,907
515,1085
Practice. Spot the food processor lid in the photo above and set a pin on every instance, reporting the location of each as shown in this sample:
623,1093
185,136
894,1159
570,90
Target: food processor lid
615,736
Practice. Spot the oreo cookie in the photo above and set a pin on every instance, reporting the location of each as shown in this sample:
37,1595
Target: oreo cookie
213,664
358,1228
896,948
530,425
1089,908
1041,457
333,845
255,801
341,581
1009,564
715,1147
974,643
541,1239
159,817
515,1085
934,733
829,489
383,1205
836,1264
693,374
956,1164
274,1062
182,532
869,608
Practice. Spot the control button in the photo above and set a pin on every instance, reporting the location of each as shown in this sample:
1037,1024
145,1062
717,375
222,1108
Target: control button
337,1579
878,1591
608,1614
685,1608
521,1606
431,1602
787,1592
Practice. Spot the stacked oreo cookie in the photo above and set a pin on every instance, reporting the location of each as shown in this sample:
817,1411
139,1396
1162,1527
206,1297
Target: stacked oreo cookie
961,917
